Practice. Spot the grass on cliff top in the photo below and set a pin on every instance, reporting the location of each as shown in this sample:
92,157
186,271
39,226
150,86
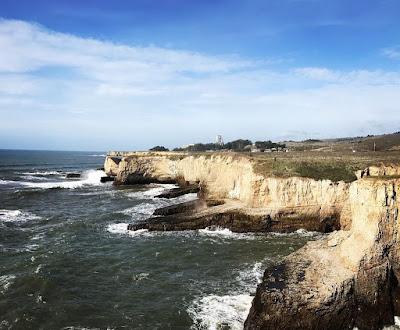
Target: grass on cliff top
334,166
315,170
318,165
321,165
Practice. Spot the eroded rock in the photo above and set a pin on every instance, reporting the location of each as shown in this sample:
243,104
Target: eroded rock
345,280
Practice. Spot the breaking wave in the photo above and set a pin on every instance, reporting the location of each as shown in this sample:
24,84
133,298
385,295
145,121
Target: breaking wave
215,231
42,173
144,209
16,216
227,311
300,232
122,229
220,312
148,208
89,178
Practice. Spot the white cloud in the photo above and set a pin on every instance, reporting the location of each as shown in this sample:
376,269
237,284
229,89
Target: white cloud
392,52
122,96
359,77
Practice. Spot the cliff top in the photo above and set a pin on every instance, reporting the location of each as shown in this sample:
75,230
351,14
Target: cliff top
335,166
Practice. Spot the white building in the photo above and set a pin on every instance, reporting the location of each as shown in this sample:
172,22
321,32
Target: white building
219,140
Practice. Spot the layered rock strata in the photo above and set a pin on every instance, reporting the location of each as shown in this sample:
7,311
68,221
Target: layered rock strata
230,177
347,279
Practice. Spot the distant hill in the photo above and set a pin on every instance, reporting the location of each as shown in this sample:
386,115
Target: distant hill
384,142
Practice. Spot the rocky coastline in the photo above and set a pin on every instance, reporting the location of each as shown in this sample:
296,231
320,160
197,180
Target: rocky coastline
347,279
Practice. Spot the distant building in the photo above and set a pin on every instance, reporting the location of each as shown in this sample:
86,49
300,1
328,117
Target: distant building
219,140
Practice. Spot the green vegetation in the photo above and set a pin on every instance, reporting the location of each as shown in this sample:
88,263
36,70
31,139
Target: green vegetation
159,148
236,145
262,145
334,166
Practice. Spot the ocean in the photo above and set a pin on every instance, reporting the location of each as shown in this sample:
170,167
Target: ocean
68,262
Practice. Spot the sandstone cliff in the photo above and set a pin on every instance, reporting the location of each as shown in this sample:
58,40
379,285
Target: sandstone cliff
347,279
233,177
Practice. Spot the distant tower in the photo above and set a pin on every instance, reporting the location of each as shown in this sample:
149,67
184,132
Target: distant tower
219,140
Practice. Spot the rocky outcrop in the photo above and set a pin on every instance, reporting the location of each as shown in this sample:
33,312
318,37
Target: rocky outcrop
180,191
379,171
233,177
235,216
111,165
348,279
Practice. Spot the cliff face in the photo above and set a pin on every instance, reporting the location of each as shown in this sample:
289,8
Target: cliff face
233,177
348,279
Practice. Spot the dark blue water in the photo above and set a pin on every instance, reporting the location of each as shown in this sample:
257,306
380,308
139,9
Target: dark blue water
67,261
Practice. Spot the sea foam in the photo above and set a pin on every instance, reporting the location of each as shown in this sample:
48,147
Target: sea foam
230,310
220,232
89,178
16,216
219,312
5,282
122,229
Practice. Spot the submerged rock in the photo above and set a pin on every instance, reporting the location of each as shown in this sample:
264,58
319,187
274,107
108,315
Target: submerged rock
73,175
104,179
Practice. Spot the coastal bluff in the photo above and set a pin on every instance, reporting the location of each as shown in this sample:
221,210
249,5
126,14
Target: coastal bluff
346,279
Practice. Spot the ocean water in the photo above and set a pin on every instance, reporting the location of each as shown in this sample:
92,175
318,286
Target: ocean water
68,262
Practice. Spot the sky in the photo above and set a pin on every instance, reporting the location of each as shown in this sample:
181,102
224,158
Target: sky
128,75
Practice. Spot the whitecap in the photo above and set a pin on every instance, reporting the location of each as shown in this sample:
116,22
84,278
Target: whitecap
217,312
148,208
216,231
31,247
38,268
42,173
122,229
140,277
89,178
299,232
7,182
142,209
33,177
40,300
16,216
37,237
6,281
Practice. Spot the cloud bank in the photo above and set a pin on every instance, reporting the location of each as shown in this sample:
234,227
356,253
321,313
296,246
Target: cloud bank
61,91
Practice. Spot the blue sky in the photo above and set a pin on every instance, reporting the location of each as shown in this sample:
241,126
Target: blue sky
100,75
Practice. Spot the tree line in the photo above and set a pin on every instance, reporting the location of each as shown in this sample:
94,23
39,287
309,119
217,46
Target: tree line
236,145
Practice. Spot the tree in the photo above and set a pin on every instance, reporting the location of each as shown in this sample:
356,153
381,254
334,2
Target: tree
159,148
237,145
262,145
